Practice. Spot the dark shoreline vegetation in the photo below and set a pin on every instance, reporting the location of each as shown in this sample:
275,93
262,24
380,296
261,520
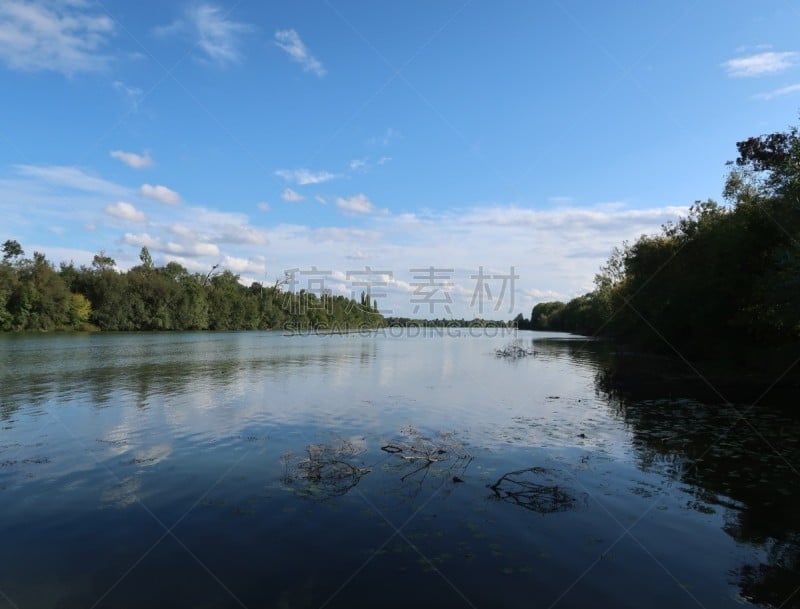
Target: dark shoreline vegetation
721,285
34,296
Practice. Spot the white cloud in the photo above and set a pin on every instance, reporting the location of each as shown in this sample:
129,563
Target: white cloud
33,198
303,176
222,227
218,37
160,193
358,204
71,177
254,265
264,206
183,231
63,37
143,240
358,164
192,249
760,64
133,160
292,196
289,41
321,200
125,211
769,95
341,234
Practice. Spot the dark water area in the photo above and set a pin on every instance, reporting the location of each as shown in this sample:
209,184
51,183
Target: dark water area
262,470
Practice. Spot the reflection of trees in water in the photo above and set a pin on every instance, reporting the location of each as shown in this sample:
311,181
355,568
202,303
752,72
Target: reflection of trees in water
144,370
725,454
533,489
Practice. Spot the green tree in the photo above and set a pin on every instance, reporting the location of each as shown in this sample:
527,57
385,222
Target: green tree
12,250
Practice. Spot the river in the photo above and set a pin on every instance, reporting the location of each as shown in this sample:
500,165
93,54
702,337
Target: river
389,469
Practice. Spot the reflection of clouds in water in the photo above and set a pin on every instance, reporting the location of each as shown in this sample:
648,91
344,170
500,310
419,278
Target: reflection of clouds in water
201,388
123,493
127,491
152,455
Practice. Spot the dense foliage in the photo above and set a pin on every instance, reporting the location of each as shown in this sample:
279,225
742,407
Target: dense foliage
723,275
406,322
36,296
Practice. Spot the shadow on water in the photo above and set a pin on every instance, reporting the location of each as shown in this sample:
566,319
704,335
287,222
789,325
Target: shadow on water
740,458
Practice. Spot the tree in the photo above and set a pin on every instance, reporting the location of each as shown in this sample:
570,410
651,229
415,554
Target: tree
80,310
147,260
101,262
11,250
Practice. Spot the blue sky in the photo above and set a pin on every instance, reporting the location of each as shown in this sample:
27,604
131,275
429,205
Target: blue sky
340,135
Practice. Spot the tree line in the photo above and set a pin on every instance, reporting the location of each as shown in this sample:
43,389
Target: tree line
722,278
35,296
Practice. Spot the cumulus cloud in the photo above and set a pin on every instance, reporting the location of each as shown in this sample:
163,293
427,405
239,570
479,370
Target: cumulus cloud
254,265
142,240
160,193
760,64
292,196
133,160
217,37
357,204
190,249
223,227
289,41
66,37
125,211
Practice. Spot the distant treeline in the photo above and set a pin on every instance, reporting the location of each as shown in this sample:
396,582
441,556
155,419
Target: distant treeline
724,278
35,296
406,322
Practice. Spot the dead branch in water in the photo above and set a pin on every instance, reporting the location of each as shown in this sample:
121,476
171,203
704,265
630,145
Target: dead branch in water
427,451
327,468
514,351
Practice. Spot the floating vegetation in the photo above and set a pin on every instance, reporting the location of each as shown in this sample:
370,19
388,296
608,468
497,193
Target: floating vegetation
326,470
524,488
421,452
514,350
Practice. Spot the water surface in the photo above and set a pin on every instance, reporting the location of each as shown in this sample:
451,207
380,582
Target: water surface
262,470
